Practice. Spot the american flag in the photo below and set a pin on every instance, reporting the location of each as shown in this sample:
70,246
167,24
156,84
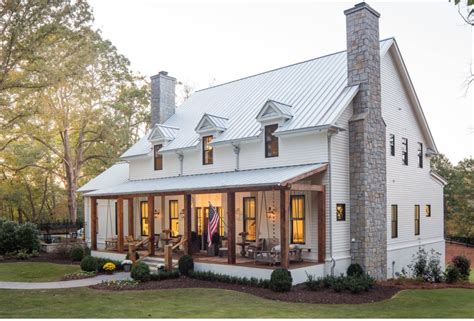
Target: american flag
212,223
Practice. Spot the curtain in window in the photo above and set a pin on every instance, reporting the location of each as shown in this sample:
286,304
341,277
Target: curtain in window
297,219
144,218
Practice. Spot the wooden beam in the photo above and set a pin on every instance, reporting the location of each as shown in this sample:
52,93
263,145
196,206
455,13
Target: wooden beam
231,259
322,226
307,187
163,213
93,223
187,224
131,222
151,224
284,228
305,175
120,224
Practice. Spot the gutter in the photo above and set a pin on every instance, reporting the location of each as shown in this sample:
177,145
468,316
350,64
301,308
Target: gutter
333,261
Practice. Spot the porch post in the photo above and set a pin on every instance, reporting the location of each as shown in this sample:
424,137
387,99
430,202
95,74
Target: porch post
231,259
284,227
322,226
187,223
130,218
94,223
151,224
120,224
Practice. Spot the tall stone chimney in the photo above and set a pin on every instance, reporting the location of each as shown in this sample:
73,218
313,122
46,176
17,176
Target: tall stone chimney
368,186
162,98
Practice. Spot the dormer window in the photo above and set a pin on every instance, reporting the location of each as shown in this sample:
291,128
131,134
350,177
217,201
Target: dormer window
207,151
158,158
271,141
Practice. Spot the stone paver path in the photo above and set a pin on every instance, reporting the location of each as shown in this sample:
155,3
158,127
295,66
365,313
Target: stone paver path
63,284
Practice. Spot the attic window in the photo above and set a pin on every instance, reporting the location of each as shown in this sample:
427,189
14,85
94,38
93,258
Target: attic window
158,158
271,141
207,151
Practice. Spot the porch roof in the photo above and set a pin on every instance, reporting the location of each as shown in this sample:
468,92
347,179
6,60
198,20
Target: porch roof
263,177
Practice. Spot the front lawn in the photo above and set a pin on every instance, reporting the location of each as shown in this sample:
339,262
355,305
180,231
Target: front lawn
215,303
35,271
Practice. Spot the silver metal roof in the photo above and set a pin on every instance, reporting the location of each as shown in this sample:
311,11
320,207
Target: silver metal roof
315,89
115,175
234,179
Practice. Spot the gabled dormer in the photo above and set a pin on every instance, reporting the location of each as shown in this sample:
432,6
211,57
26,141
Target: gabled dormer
211,125
274,112
162,134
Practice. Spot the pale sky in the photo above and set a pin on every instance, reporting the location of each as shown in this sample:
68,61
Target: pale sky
218,41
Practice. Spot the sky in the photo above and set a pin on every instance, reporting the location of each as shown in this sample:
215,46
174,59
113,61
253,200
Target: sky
210,42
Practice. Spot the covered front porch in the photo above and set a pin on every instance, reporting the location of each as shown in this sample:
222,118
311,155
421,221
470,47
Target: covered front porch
267,217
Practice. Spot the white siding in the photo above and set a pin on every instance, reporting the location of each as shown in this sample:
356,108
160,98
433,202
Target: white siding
410,185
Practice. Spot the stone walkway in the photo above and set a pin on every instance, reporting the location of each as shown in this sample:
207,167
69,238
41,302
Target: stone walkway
63,284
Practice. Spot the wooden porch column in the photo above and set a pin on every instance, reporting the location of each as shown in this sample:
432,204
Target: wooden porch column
93,223
284,228
187,224
130,218
322,226
151,224
120,224
231,259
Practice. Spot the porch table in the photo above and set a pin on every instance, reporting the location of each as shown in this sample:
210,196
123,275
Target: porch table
243,245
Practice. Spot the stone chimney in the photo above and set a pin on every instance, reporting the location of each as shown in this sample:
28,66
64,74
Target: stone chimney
368,188
162,98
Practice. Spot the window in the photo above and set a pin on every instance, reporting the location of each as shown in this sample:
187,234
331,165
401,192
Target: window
392,144
394,221
144,218
158,158
221,221
297,218
428,210
207,151
174,217
250,224
405,151
271,141
341,212
417,219
200,220
420,155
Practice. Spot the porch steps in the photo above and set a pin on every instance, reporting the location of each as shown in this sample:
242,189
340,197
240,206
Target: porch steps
155,262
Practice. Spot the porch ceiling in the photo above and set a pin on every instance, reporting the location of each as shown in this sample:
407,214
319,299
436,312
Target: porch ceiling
264,177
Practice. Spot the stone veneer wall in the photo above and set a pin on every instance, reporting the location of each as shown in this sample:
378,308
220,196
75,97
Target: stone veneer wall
368,187
162,97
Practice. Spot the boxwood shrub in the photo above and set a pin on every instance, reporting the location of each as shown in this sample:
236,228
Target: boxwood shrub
463,264
185,264
140,272
281,280
89,264
77,253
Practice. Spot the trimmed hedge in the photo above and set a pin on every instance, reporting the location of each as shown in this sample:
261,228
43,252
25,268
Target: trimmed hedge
354,284
281,280
164,275
140,272
185,264
463,264
452,274
89,264
77,253
216,277
354,270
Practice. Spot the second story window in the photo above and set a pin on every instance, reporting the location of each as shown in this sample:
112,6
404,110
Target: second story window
405,151
207,151
392,144
271,141
420,155
158,158
417,219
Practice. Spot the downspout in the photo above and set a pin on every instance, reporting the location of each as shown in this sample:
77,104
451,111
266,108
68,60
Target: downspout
181,158
237,156
333,261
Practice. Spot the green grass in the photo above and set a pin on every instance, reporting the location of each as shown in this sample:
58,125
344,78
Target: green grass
34,271
471,276
215,303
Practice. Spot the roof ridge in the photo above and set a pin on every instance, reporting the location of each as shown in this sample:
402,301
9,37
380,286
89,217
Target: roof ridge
283,67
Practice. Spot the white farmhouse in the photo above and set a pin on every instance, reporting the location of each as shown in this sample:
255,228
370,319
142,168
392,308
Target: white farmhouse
310,166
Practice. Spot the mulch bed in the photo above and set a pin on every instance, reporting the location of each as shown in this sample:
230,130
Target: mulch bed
297,294
410,284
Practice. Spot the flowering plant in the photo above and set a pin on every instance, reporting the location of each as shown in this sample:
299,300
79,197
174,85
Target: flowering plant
109,267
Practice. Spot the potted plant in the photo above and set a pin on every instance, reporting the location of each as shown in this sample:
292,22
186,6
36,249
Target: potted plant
109,268
127,265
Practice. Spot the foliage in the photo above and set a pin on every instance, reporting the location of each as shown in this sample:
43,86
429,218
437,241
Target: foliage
14,237
109,267
140,272
281,280
89,264
355,270
313,283
77,253
137,256
120,284
458,207
101,261
23,254
426,266
355,284
164,275
63,250
463,264
79,275
8,242
185,264
216,277
452,274
27,237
